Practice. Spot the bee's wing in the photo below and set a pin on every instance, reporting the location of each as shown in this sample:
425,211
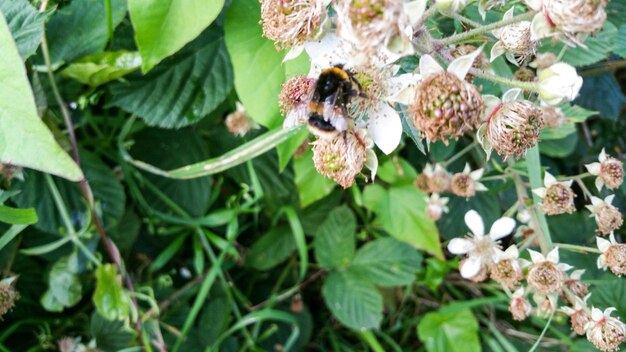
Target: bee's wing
335,114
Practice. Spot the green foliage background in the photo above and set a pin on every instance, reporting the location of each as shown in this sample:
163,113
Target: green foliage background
268,254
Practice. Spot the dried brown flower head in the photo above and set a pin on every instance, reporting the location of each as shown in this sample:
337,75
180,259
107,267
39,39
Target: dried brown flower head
552,116
578,320
611,173
513,127
342,157
576,16
558,199
604,331
463,185
238,122
545,277
446,107
506,272
608,218
291,22
525,75
615,258
295,92
8,296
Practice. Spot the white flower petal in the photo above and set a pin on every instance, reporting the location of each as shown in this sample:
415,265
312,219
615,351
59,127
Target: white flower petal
496,50
371,162
599,184
429,66
480,187
608,311
609,199
491,102
541,192
540,27
596,314
512,252
415,10
612,238
596,201
519,292
593,168
401,89
601,263
548,179
460,246
511,95
602,156
577,274
461,65
602,244
553,255
477,174
535,256
471,267
475,223
534,4
502,227
293,53
385,127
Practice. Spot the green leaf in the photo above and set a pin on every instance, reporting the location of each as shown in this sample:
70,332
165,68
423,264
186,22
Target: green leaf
452,225
271,249
598,48
110,336
400,212
334,240
286,149
18,216
104,67
109,297
168,149
354,300
387,262
107,190
25,23
183,89
24,139
259,72
559,148
162,27
620,42
80,29
615,11
451,332
603,94
10,234
576,113
64,283
311,185
610,293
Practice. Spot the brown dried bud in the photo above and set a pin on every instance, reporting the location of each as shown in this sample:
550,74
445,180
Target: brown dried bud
544,60
446,107
514,127
611,173
520,308
506,272
578,321
615,258
8,296
340,158
463,185
576,16
238,122
295,92
439,182
552,116
525,75
421,182
545,277
559,199
608,218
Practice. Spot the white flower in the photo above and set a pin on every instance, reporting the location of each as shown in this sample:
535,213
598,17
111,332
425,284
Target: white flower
480,248
383,88
523,216
558,83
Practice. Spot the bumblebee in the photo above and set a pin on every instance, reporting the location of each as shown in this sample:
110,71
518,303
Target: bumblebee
327,109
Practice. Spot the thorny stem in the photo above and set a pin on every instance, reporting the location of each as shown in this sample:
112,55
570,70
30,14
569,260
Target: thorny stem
465,20
461,37
84,185
529,86
577,248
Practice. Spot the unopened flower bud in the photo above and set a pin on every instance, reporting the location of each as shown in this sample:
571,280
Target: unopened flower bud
238,122
514,127
520,308
446,107
558,83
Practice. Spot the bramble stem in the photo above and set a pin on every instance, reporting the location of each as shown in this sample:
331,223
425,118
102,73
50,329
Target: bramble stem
529,86
462,37
577,248
533,163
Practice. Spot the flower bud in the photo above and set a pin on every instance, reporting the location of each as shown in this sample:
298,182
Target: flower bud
520,308
558,83
514,127
446,106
